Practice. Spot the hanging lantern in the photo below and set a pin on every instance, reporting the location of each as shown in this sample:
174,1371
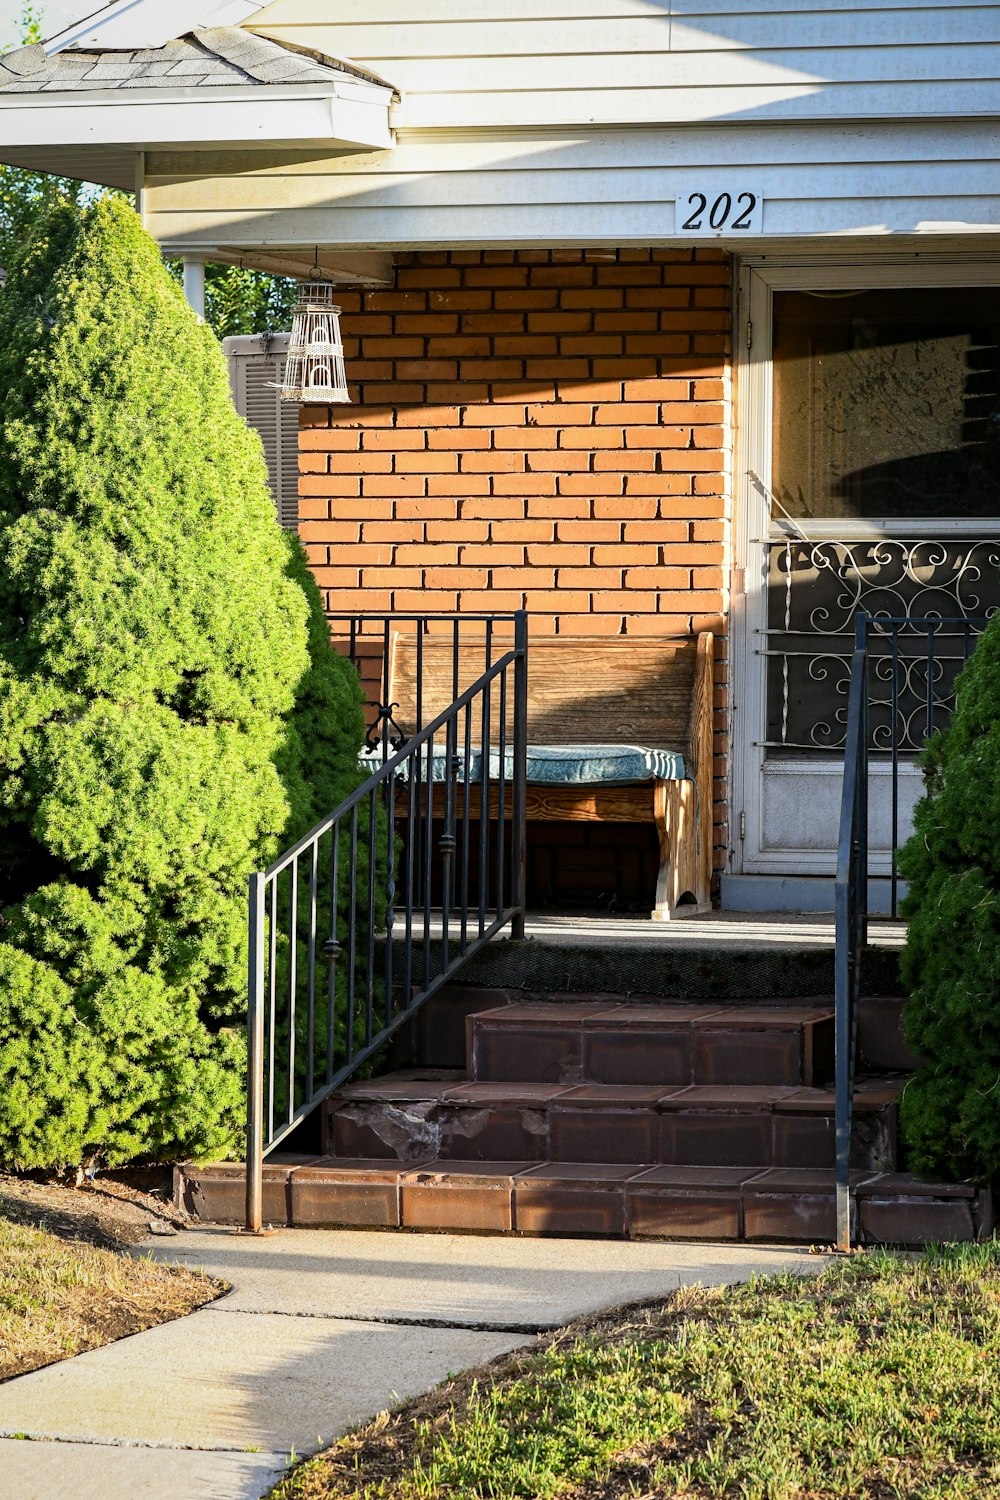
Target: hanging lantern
314,368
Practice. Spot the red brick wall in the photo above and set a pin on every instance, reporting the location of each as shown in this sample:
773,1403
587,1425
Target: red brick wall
532,429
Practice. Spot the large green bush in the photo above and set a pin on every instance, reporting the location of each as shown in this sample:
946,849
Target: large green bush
170,709
951,963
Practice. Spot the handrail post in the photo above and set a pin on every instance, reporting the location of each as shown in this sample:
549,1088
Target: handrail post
843,1102
255,1058
851,900
519,842
862,631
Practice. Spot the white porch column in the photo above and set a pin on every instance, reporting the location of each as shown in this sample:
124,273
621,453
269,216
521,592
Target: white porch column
194,282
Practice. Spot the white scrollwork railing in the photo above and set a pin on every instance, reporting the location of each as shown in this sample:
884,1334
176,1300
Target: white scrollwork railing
815,590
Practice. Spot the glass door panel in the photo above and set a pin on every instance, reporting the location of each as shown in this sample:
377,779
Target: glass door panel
886,494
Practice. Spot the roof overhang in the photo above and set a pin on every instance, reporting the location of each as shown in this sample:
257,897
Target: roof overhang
100,135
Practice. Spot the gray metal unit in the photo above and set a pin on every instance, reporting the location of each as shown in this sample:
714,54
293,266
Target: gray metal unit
255,366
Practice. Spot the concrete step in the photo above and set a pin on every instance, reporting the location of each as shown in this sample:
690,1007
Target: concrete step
417,1113
597,1042
696,960
614,1199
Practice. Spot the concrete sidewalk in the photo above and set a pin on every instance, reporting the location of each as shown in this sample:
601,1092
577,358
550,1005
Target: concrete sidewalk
322,1330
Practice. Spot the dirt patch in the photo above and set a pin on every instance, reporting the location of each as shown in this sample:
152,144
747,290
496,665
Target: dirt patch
110,1212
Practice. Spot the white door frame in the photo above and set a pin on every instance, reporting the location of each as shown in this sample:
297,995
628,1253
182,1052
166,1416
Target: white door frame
758,278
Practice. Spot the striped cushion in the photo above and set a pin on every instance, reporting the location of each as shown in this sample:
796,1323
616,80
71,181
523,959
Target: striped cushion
594,765
556,765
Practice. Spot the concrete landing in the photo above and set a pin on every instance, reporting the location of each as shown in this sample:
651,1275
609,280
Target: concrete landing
472,1281
91,1471
322,1330
231,1382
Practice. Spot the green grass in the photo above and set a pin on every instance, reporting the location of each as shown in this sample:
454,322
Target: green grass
879,1378
59,1297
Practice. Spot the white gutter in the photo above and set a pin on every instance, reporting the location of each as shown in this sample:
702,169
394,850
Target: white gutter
353,113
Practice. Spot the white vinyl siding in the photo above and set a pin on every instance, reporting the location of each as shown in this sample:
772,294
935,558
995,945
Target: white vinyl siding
254,371
604,188
602,62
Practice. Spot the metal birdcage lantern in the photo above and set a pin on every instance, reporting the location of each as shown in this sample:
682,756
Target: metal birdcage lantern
314,367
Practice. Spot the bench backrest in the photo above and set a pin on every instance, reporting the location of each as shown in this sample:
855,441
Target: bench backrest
584,690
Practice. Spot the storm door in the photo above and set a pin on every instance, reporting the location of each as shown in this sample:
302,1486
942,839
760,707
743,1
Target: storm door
871,482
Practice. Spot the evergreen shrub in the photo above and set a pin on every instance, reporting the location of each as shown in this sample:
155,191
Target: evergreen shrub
951,963
171,712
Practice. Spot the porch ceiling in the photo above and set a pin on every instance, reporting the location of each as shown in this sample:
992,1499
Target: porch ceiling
373,268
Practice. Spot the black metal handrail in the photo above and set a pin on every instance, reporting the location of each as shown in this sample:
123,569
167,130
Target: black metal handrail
911,645
332,899
850,908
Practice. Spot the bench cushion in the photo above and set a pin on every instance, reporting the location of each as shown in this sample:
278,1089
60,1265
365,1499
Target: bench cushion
441,769
558,765
594,765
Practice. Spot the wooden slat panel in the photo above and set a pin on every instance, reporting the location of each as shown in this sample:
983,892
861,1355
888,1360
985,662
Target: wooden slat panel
551,804
584,691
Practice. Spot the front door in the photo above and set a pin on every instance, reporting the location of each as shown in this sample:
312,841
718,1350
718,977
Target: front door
869,479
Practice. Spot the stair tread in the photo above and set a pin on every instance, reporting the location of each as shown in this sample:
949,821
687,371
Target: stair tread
527,1011
632,1199
483,1092
865,1179
456,1089
781,1018
404,1087
732,1015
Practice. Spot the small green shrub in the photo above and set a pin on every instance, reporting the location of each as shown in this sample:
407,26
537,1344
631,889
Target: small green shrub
171,712
951,963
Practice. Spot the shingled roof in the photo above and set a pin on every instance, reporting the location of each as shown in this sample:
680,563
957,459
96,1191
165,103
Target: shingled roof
222,55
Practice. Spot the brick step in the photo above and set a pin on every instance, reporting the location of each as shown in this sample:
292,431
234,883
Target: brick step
598,1199
594,1042
882,1044
406,1115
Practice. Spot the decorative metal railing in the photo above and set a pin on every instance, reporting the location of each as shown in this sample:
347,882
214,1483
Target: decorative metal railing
892,653
816,589
379,904
850,910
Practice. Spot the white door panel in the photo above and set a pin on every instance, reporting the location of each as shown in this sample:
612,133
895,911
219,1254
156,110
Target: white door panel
793,629
801,809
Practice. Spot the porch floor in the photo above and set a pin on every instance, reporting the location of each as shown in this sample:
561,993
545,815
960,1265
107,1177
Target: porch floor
739,929
718,955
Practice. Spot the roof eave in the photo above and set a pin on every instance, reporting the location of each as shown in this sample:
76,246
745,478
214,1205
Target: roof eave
351,114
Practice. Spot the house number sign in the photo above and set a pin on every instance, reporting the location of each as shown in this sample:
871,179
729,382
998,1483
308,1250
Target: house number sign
720,209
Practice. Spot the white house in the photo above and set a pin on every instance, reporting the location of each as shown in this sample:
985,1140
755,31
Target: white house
659,315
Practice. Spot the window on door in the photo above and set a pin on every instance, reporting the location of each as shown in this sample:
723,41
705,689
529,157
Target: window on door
886,418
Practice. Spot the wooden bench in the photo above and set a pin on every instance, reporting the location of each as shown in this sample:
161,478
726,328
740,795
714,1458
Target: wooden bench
653,694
